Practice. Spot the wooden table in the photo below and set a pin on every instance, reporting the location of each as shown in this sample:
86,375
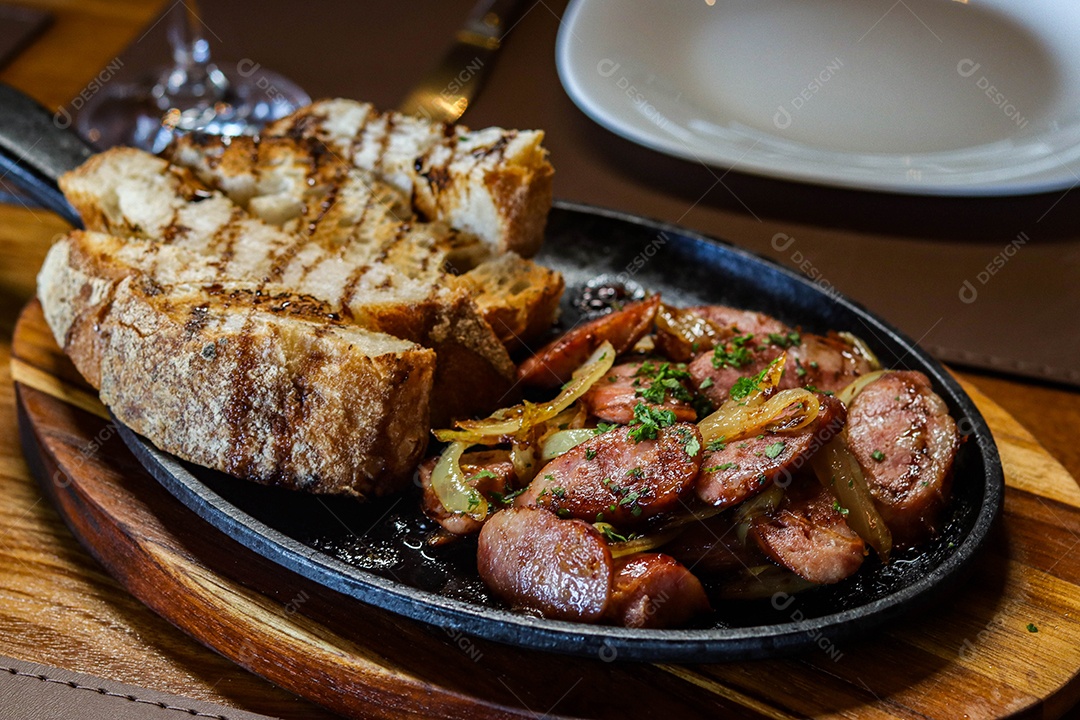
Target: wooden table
57,606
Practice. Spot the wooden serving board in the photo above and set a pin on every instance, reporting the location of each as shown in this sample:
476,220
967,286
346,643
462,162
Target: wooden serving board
977,655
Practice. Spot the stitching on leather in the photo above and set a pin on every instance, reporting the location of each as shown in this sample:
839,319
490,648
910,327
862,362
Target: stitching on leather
109,693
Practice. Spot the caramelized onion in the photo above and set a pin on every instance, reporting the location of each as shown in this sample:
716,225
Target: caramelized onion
840,472
758,412
644,543
856,386
562,441
862,348
683,333
518,421
453,490
761,504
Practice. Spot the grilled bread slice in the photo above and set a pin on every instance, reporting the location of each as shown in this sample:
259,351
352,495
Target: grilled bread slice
270,388
300,186
494,184
273,309
386,275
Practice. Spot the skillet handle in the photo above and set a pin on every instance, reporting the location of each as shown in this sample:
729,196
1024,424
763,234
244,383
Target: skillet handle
36,148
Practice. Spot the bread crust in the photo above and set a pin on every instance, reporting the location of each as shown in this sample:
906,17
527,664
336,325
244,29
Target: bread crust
264,387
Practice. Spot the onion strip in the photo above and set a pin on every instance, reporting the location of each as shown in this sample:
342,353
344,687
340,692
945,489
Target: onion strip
518,421
643,543
563,441
451,487
856,386
839,471
862,349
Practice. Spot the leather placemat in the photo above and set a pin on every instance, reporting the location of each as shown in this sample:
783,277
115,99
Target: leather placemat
984,282
32,690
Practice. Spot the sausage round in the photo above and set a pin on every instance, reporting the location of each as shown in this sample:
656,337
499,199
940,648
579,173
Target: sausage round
532,559
652,590
615,479
900,431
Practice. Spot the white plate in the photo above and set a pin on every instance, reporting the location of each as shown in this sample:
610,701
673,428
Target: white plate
936,97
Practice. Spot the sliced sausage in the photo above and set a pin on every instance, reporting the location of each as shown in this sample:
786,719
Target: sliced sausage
554,364
532,559
652,590
613,397
489,471
740,322
615,479
807,534
715,372
712,547
734,471
900,431
826,363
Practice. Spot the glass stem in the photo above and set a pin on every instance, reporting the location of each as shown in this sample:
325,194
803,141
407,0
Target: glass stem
193,81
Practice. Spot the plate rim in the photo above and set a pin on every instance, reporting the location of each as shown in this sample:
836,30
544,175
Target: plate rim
1031,184
608,642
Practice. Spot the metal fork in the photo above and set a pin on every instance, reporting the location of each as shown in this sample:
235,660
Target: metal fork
446,91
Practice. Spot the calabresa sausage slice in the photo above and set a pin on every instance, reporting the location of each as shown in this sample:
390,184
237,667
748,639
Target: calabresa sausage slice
614,396
807,534
734,471
532,559
900,431
553,365
652,590
616,479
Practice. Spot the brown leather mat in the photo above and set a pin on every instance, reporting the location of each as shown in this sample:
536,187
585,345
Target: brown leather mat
985,282
31,690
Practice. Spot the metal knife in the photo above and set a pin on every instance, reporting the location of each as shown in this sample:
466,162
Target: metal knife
446,91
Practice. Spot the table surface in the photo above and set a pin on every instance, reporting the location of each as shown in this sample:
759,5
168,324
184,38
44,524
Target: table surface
57,606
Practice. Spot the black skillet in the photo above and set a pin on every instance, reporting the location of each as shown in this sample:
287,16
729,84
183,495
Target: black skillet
376,553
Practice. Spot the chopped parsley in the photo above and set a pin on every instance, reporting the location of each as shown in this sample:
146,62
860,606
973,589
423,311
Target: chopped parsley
746,385
485,473
787,340
648,421
842,510
507,498
589,453
692,446
878,455
558,492
635,473
705,384
716,445
773,450
1032,628
608,531
602,428
666,381
721,468
733,353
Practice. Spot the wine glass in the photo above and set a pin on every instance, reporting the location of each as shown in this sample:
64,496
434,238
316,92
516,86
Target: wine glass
192,93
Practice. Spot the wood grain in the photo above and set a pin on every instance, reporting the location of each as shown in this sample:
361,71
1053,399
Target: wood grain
974,651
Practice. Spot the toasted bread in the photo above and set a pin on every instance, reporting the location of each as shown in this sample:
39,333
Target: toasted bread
384,274
493,183
315,311
266,387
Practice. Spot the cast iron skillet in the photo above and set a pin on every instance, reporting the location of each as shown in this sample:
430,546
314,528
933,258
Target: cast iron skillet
376,553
